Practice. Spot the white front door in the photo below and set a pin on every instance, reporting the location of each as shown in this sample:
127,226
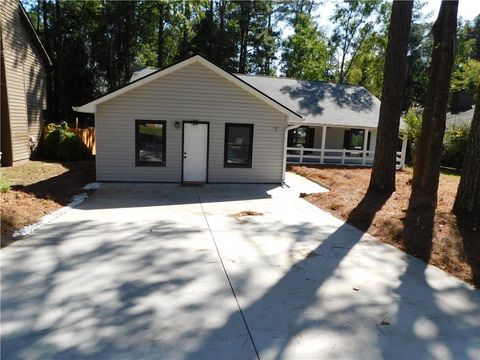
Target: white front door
195,148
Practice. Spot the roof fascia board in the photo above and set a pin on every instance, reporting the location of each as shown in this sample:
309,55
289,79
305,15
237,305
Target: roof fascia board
34,32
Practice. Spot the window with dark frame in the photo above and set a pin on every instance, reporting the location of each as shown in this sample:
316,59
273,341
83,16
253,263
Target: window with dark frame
150,142
353,139
302,136
238,145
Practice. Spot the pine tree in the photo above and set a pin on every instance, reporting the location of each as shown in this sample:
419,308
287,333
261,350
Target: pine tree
426,170
383,172
467,201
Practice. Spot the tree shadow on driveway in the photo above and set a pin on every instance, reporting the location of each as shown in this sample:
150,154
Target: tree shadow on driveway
133,286
351,296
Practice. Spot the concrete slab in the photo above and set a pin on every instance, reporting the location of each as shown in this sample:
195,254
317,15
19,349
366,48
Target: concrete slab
134,272
128,275
298,184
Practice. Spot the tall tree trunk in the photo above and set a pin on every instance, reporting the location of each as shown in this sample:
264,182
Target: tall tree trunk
57,62
426,170
48,48
219,53
185,47
211,35
38,15
110,68
128,41
268,59
245,7
161,34
395,70
467,200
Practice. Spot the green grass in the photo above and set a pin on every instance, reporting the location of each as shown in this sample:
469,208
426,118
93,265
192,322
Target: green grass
4,186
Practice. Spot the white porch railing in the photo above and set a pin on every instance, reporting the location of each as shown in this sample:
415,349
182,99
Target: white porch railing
300,155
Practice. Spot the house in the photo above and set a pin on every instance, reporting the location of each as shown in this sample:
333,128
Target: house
460,118
195,122
339,120
24,65
190,122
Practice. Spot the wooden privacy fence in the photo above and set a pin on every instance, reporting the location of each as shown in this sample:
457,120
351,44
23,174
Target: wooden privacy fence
88,138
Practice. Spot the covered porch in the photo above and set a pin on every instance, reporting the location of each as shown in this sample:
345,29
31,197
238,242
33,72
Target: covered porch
336,145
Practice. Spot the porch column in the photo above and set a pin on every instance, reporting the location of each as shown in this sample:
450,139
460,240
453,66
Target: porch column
324,136
365,143
404,151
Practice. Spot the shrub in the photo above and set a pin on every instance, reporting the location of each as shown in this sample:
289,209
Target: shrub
413,127
4,186
454,145
61,143
413,122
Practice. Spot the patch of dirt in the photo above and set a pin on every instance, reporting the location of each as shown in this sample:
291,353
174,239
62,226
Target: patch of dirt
38,188
454,244
238,216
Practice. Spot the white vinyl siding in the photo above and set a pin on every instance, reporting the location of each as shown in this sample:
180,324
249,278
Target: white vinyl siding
191,93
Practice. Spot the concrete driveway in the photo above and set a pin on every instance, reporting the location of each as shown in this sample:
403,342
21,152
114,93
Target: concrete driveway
162,271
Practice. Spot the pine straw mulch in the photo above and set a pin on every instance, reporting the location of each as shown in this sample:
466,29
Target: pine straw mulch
38,188
455,242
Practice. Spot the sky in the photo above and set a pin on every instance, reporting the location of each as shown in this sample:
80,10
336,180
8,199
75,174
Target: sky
467,10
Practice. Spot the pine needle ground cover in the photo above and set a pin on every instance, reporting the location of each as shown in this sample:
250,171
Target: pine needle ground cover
38,188
455,245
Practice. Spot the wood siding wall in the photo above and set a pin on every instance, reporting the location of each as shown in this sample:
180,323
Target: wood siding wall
192,93
25,72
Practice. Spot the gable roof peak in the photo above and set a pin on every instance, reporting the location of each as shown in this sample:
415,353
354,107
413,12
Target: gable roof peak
91,107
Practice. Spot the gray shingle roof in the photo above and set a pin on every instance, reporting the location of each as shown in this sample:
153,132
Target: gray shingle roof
142,73
464,117
321,103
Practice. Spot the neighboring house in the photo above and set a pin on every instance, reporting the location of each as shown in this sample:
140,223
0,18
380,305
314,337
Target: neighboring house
460,118
24,65
194,121
339,120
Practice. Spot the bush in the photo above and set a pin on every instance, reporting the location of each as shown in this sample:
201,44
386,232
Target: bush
62,144
413,127
454,146
4,186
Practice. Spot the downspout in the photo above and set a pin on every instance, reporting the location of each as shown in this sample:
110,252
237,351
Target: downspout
285,143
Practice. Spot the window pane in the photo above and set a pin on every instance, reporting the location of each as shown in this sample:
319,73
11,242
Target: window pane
238,154
238,147
356,140
301,136
150,142
238,135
